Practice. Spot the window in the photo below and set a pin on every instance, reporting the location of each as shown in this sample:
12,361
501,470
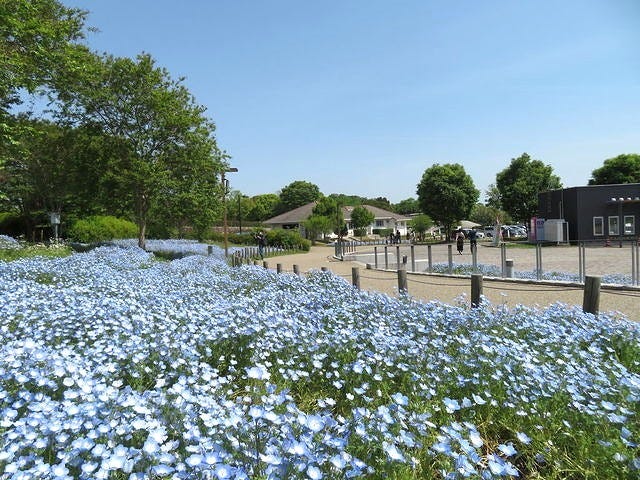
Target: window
629,225
614,228
379,223
598,226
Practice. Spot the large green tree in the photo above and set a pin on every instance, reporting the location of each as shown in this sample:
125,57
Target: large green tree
447,194
264,206
297,194
407,206
624,168
37,44
520,183
169,150
330,208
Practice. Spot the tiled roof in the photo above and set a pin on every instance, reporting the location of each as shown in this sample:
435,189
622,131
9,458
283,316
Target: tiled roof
301,214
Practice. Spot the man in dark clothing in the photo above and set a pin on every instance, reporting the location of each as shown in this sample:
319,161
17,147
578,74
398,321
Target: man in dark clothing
473,239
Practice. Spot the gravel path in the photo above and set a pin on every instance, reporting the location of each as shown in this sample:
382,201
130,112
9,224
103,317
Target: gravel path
454,290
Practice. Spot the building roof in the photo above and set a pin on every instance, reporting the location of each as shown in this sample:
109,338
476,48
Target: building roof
301,214
297,215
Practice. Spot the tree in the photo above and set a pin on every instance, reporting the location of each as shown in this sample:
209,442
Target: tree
37,39
264,206
624,168
380,202
520,183
317,225
407,206
420,224
486,215
361,218
169,152
297,194
332,209
447,194
493,197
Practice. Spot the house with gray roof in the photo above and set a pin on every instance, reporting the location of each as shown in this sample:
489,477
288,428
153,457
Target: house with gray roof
384,219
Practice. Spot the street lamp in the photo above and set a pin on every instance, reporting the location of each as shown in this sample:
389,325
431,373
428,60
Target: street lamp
225,186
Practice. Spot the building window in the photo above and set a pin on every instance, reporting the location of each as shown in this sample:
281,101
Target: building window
598,226
614,227
379,223
629,225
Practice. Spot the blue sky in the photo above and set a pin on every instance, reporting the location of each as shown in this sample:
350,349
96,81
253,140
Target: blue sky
361,97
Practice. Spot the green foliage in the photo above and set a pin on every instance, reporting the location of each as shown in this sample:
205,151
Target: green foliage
407,206
447,194
169,161
487,215
28,251
383,232
264,207
10,224
288,239
35,38
297,194
520,183
624,168
331,208
101,228
317,225
361,218
420,224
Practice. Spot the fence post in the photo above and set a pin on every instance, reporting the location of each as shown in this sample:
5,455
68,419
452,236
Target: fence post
503,259
398,256
375,254
386,258
636,245
509,267
474,259
265,264
476,289
450,248
355,277
538,261
591,299
279,267
402,281
430,258
324,269
296,270
413,258
209,249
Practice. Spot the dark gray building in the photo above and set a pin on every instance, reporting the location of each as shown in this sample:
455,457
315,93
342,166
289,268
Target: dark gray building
593,212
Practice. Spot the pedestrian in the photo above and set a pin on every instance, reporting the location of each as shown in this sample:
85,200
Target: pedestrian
460,241
397,236
473,240
261,240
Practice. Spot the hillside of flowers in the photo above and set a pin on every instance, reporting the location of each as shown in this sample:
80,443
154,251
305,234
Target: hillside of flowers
117,364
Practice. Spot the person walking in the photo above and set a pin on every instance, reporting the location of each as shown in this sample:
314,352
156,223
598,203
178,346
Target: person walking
473,240
460,241
261,240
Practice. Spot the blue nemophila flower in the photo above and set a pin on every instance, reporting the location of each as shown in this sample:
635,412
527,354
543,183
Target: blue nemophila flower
127,366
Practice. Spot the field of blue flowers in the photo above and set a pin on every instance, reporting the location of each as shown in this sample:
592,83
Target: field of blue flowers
115,364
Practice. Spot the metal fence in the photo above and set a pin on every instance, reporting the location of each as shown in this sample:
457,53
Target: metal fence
619,264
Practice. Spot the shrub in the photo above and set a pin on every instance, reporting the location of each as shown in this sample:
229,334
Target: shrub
383,232
289,239
10,224
100,228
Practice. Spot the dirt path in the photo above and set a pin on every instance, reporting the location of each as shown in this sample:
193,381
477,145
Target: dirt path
452,290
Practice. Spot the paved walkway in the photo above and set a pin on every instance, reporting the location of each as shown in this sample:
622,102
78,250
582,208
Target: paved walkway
454,289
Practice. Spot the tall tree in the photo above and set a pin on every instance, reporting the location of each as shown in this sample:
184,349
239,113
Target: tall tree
264,206
330,208
407,206
520,183
37,39
361,218
447,194
297,194
169,142
420,224
624,168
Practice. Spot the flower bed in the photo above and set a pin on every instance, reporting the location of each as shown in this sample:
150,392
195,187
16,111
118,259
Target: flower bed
116,365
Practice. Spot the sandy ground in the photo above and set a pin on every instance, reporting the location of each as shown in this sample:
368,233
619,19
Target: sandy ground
453,290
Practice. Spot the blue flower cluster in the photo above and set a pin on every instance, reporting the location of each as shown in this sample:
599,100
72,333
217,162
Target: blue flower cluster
116,365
